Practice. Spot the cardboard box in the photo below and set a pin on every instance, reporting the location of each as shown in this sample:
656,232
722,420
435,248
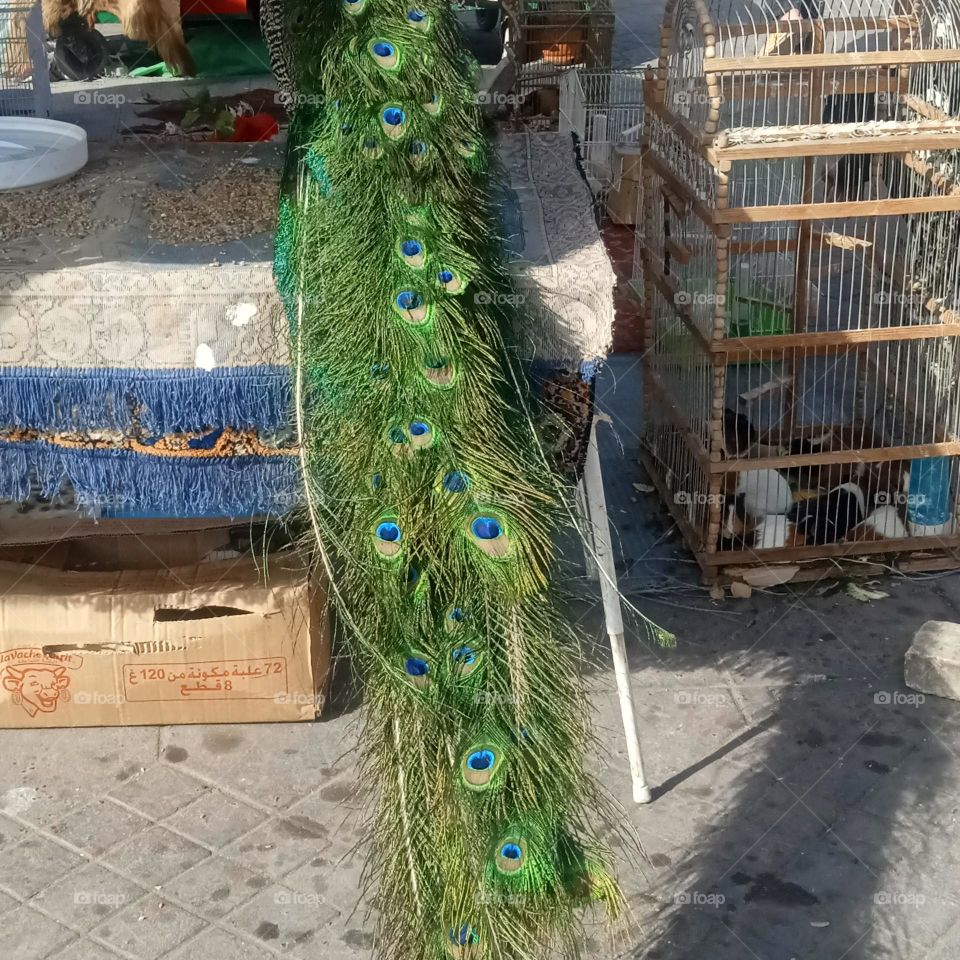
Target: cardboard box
206,643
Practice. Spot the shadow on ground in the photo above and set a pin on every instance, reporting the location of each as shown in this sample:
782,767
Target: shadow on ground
805,800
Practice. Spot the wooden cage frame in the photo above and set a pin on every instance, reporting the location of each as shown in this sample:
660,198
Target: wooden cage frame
694,176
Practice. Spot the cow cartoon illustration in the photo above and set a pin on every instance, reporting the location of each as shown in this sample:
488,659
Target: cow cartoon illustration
37,689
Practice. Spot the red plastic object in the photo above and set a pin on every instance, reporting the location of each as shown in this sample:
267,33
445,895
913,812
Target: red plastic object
213,8
261,126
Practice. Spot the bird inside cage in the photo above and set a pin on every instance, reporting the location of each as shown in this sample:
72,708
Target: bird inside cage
81,51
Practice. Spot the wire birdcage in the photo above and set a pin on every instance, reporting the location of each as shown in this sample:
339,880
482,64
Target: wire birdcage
557,35
801,211
604,109
24,75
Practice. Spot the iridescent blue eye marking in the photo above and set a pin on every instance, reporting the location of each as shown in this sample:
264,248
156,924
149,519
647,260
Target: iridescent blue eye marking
486,528
389,532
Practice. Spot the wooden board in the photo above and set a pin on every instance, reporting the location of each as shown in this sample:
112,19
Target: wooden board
830,341
824,211
826,61
869,455
923,135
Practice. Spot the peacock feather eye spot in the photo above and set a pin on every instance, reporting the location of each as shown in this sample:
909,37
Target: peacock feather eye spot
345,128
353,6
486,528
511,855
411,248
432,106
409,300
481,760
489,536
421,434
393,119
418,149
389,532
416,667
479,765
397,435
376,482
387,537
385,53
413,575
450,282
464,656
419,19
439,371
456,482
379,371
457,614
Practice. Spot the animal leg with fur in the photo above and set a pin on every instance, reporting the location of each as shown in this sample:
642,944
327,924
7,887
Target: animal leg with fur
154,22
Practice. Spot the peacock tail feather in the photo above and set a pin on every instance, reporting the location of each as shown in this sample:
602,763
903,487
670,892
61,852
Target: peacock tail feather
431,501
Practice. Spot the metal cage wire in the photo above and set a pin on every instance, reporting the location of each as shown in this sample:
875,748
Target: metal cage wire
604,108
553,36
24,78
803,346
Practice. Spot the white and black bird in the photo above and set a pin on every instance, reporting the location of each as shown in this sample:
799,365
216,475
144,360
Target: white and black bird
765,493
829,517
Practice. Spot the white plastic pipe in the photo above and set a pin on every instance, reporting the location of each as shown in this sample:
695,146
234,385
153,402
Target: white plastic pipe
600,536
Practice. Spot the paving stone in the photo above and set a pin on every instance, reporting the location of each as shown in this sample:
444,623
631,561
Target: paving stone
34,864
11,832
7,902
339,882
215,887
159,791
670,716
87,896
28,935
222,754
215,819
85,950
286,920
280,845
149,928
156,855
213,944
99,826
45,792
855,896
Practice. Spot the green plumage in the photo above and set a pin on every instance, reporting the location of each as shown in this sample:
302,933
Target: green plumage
428,492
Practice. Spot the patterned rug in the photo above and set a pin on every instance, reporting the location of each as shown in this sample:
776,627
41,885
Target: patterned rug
155,384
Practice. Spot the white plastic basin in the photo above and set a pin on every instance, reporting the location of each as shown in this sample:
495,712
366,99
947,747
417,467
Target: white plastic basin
34,151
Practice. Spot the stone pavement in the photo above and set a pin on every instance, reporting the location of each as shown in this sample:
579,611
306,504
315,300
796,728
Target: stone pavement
806,802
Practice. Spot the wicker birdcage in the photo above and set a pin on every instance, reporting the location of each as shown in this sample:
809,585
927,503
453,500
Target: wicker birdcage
553,36
24,76
801,221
